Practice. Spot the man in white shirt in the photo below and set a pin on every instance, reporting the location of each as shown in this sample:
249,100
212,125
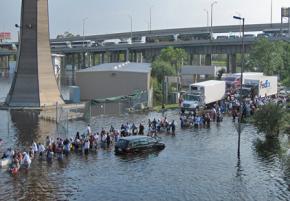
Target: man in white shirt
89,130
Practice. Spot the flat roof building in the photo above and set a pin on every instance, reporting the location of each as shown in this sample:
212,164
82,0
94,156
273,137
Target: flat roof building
113,79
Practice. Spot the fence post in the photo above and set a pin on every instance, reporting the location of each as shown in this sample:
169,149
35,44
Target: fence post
56,122
67,124
8,122
90,107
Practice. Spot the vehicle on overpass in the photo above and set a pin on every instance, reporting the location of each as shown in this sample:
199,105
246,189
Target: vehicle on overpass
82,43
109,42
194,36
160,38
60,45
222,37
138,39
275,32
250,36
123,41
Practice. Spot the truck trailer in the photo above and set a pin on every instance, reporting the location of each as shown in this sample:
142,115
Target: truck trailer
203,94
266,85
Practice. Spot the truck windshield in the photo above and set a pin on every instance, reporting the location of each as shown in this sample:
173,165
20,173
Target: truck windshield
190,97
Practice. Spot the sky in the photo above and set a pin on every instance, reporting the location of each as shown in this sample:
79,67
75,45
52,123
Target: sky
113,16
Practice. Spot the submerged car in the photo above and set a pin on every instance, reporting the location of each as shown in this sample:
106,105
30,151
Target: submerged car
135,144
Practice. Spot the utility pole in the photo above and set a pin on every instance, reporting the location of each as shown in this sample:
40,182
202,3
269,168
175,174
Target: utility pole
241,83
150,19
83,47
211,18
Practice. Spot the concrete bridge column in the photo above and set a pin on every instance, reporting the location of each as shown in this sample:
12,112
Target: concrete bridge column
102,58
94,59
141,57
208,60
231,63
191,59
73,62
4,62
135,57
79,61
127,55
64,61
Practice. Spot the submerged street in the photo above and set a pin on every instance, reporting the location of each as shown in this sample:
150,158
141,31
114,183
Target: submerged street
197,164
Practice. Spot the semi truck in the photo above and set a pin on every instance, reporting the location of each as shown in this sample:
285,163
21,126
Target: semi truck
264,85
233,81
203,94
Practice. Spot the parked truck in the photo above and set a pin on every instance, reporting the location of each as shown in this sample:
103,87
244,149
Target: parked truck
265,85
233,81
203,94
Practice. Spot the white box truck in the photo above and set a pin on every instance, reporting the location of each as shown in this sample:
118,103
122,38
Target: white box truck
266,85
233,81
203,93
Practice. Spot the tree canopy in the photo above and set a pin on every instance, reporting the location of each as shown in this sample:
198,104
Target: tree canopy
270,119
270,57
267,56
168,63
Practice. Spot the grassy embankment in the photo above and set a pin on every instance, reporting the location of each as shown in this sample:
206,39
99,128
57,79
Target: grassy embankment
158,108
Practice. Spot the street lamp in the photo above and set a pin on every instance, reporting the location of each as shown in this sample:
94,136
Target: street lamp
241,82
150,19
211,16
83,50
271,12
131,24
207,18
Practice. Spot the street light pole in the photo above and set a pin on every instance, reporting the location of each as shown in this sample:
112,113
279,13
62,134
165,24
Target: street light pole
150,19
211,17
271,12
241,82
131,20
83,47
207,18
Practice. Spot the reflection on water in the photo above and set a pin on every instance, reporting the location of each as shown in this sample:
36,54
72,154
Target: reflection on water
197,164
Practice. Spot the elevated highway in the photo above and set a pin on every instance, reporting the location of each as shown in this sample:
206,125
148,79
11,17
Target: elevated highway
215,29
80,57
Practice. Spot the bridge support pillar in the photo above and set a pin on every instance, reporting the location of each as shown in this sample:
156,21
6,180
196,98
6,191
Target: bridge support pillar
134,57
73,62
102,58
4,62
79,61
191,59
93,59
208,60
231,63
127,55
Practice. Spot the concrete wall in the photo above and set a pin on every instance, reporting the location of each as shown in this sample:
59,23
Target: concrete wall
95,85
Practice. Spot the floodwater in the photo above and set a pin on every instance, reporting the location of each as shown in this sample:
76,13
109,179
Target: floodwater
197,164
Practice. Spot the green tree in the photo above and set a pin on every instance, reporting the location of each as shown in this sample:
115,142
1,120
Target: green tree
285,75
270,119
267,56
174,56
162,68
168,63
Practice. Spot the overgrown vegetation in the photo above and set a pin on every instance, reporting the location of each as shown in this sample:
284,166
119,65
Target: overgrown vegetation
271,119
168,63
272,58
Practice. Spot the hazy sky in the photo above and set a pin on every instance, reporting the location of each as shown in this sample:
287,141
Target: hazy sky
112,16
